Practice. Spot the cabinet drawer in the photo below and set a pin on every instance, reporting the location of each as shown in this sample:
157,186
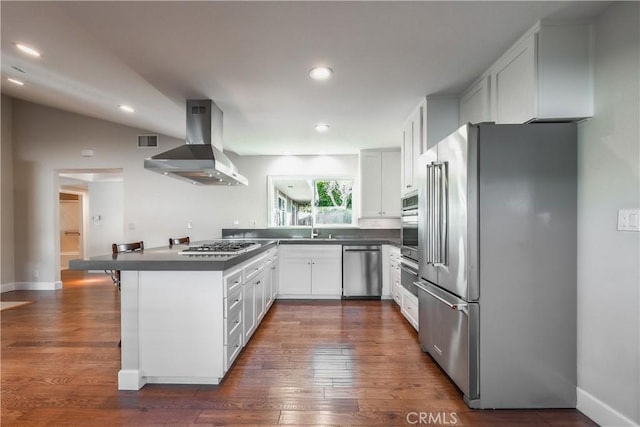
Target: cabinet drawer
232,282
232,302
232,348
396,293
232,322
254,267
410,307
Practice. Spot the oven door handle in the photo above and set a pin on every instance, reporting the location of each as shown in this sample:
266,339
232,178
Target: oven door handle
408,268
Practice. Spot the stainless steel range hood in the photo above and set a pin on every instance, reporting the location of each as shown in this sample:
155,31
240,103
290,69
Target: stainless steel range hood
201,159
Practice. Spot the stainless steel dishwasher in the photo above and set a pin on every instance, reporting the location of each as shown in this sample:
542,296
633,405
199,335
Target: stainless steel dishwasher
361,271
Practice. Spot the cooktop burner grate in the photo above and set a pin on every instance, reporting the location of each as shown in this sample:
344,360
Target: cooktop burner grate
231,247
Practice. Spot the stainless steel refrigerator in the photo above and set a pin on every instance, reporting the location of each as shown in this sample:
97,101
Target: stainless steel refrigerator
497,263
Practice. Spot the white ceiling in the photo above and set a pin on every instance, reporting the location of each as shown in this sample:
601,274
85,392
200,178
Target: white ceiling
299,189
253,58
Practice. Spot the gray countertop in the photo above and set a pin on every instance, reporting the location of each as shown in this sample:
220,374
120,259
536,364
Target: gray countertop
168,259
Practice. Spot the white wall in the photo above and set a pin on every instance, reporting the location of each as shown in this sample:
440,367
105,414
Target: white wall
608,260
155,207
7,276
105,201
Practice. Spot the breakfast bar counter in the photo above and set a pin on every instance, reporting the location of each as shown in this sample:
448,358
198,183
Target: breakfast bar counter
168,259
185,318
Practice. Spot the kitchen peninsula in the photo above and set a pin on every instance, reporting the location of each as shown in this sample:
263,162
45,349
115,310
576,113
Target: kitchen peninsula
184,319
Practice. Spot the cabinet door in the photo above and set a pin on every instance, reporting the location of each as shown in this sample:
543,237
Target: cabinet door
275,277
475,103
418,138
371,179
249,310
268,287
514,83
326,277
407,157
260,287
295,276
390,194
409,307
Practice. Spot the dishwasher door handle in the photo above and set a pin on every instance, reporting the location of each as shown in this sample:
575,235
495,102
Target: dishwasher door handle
362,250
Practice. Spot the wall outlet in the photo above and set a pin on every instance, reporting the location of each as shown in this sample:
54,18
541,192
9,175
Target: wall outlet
236,222
629,220
36,274
132,226
189,225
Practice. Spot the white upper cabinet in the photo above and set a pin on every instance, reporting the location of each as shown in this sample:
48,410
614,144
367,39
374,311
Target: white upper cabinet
440,118
514,78
380,183
412,146
431,121
547,75
475,102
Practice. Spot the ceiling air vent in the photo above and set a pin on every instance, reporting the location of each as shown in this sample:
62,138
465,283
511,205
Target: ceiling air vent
146,141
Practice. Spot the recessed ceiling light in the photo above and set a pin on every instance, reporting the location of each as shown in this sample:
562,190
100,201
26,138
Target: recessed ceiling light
28,50
127,108
322,127
14,81
320,73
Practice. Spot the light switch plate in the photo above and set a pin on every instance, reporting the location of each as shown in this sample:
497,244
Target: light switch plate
629,220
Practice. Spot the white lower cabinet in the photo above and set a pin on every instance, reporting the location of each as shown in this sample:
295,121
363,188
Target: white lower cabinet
394,274
249,294
273,281
295,274
249,290
234,338
409,307
407,302
310,271
260,282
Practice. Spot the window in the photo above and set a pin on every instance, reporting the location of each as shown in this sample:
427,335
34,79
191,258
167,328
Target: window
310,201
333,202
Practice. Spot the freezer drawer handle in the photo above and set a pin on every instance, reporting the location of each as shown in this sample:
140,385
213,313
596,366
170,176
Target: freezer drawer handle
460,307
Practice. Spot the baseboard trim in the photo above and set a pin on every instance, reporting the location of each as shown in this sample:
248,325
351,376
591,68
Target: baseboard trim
600,412
38,286
7,287
130,379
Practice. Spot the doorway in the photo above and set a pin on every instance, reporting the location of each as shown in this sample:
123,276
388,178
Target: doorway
91,212
71,226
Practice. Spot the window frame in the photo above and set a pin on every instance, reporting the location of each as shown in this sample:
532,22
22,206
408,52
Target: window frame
271,192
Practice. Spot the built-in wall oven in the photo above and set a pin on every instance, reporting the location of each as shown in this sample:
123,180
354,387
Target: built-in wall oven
410,227
409,250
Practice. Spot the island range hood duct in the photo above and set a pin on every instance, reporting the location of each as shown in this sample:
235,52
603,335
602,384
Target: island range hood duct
200,160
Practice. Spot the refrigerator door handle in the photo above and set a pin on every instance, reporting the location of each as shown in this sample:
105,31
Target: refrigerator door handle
436,212
444,212
429,215
462,307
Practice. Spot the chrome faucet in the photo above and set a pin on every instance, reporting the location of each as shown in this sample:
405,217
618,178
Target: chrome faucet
314,233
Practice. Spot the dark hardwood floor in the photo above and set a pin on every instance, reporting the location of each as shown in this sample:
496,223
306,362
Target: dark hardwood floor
310,363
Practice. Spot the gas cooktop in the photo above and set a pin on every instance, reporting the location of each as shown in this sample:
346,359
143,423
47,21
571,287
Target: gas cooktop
221,247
